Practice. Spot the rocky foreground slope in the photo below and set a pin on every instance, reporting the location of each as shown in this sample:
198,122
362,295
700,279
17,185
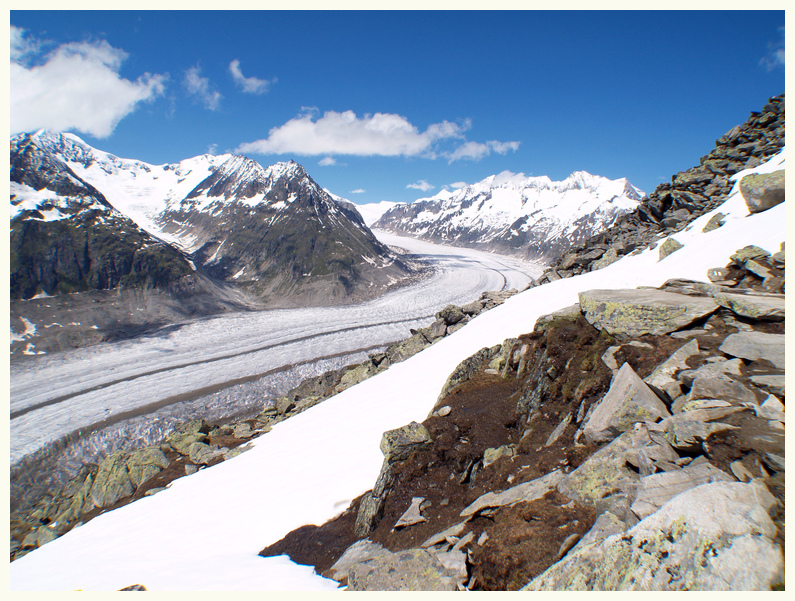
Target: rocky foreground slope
634,441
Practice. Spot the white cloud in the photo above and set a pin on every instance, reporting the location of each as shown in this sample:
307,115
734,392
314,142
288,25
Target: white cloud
381,134
477,150
23,46
325,162
421,185
775,56
76,87
458,185
509,177
202,88
357,191
212,149
250,85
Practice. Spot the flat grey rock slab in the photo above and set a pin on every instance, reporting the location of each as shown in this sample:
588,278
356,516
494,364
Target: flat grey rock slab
628,401
663,378
643,311
602,473
765,308
359,551
412,515
411,570
527,491
756,345
657,489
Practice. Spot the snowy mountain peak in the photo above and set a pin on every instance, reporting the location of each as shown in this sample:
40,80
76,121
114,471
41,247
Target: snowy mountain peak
512,213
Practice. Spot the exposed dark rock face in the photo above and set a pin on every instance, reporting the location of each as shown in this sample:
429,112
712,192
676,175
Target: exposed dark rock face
91,247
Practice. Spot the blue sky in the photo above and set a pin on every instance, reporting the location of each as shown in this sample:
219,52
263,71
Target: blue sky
398,105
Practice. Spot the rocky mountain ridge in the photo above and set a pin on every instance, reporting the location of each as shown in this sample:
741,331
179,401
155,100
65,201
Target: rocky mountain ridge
531,217
690,194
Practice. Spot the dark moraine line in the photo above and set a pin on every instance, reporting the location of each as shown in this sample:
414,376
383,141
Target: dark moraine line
66,397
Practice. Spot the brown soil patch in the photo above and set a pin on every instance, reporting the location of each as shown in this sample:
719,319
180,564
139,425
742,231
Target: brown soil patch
524,540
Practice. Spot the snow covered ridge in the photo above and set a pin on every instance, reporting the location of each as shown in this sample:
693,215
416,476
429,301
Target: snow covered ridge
155,542
530,216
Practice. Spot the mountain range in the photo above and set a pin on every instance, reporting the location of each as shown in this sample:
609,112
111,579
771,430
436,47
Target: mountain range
154,243
531,217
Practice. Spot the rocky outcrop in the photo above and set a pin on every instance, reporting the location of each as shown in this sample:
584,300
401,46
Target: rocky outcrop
690,194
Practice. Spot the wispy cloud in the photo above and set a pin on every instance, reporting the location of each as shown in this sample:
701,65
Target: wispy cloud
421,185
357,191
250,85
327,161
458,185
75,87
202,88
775,53
477,150
380,134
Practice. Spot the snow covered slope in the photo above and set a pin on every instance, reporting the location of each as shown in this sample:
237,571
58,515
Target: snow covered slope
204,532
529,216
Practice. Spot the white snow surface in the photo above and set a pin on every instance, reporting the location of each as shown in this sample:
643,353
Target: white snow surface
371,212
204,532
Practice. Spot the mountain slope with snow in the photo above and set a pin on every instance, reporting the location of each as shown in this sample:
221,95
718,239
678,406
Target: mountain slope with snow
267,232
308,468
510,213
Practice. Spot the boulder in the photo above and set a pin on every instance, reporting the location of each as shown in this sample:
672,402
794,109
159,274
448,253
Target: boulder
754,346
491,455
400,443
400,351
611,256
762,191
438,329
629,400
411,570
451,315
716,536
473,308
144,463
669,246
716,221
243,430
181,441
201,453
112,481
643,311
413,515
748,253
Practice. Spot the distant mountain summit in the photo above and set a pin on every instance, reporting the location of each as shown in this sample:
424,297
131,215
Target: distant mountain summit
532,217
210,232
